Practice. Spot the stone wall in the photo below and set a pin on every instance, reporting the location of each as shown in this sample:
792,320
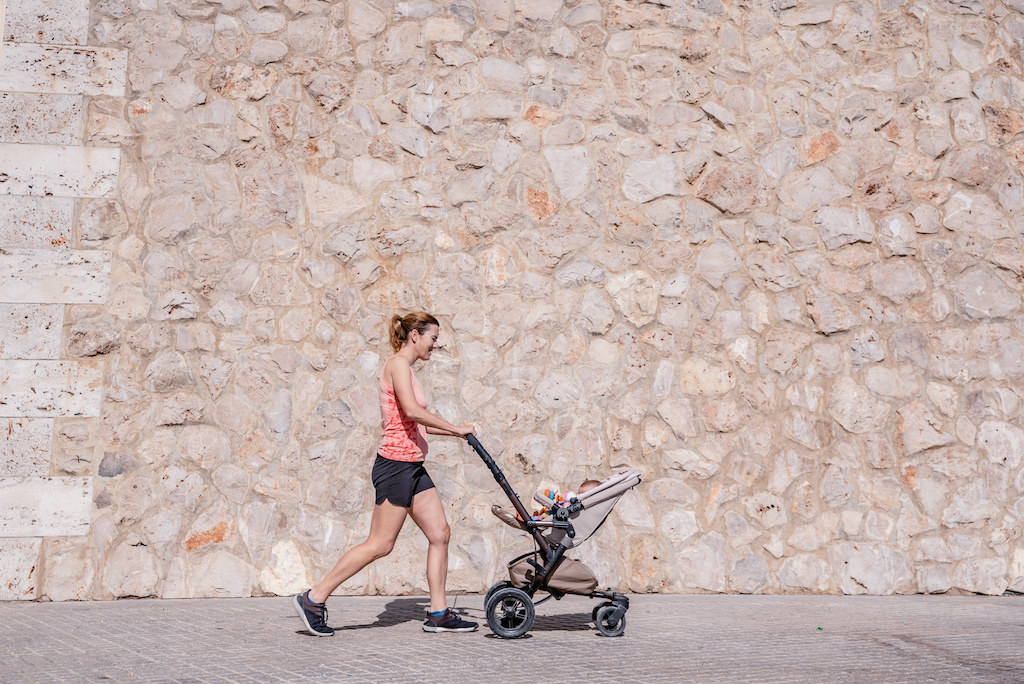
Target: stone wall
58,191
769,253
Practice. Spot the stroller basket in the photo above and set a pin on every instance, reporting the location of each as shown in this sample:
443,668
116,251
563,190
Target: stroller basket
570,577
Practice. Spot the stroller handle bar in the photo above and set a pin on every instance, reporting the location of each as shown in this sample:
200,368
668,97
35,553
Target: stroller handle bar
499,477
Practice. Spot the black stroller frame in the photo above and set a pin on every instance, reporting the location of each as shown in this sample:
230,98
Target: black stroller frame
510,609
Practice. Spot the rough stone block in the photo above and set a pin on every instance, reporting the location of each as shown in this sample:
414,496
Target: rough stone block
30,331
37,276
19,568
69,569
45,506
45,389
33,68
25,447
40,118
59,170
64,22
35,222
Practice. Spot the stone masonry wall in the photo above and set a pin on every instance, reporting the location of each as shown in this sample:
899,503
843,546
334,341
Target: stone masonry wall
58,193
767,252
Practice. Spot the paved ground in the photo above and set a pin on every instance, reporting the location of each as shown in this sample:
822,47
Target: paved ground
668,639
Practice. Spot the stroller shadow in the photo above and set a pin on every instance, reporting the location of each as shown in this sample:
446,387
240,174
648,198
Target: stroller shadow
563,622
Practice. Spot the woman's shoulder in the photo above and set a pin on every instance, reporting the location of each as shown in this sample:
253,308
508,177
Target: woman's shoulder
398,361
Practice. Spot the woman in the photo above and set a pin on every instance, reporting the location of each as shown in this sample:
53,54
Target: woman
403,486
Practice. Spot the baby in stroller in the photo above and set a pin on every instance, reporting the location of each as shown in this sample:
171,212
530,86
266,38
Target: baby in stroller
509,604
549,498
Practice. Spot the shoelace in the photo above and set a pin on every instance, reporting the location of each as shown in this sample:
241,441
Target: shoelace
321,606
446,616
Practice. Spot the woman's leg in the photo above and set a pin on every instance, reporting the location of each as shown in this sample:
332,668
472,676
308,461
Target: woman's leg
428,513
385,525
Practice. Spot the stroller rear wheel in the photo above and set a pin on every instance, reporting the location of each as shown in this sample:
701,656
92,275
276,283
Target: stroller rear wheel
606,622
510,613
494,589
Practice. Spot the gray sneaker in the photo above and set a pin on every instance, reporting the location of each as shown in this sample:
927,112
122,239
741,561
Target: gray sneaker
314,615
449,621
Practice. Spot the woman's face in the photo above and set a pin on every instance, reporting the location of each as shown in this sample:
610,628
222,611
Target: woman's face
425,342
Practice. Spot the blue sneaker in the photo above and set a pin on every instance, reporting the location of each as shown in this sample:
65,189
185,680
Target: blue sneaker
448,621
314,615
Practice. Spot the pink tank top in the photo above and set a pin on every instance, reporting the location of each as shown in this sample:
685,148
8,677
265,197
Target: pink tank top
404,439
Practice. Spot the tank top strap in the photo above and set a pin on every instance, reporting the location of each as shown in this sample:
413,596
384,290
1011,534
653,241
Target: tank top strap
384,370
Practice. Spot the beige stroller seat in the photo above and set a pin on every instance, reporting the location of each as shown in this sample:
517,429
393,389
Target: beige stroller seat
597,504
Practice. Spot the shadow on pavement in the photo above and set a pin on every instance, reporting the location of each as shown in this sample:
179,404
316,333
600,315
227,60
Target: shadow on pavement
396,612
412,609
565,622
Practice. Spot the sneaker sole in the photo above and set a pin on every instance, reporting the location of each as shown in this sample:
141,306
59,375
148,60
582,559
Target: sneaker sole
449,629
305,620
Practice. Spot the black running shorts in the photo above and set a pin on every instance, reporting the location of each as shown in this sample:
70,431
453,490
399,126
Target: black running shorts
399,481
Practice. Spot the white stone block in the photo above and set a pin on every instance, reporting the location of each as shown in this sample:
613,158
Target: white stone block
30,331
35,68
37,118
47,389
25,447
59,170
64,22
45,506
19,568
39,276
35,222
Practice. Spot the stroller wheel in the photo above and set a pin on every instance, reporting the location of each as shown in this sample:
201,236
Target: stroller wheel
597,609
510,613
605,624
494,589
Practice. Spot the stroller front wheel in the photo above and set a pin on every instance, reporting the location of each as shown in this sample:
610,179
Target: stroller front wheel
606,622
494,589
597,609
510,613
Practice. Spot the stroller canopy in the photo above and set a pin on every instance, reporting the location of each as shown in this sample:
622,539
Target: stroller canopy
597,504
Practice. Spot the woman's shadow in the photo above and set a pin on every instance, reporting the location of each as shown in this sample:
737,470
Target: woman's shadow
395,612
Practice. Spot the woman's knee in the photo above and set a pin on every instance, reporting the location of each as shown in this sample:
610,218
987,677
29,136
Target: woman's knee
380,548
440,535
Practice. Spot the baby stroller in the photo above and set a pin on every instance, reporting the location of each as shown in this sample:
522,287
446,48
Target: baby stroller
509,604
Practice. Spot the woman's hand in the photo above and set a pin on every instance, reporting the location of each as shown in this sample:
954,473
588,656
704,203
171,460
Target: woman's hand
464,430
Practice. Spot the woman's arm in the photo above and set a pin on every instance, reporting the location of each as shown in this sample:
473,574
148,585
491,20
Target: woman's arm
447,433
401,380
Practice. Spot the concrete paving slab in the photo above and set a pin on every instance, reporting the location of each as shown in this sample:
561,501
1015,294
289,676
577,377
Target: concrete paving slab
782,639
